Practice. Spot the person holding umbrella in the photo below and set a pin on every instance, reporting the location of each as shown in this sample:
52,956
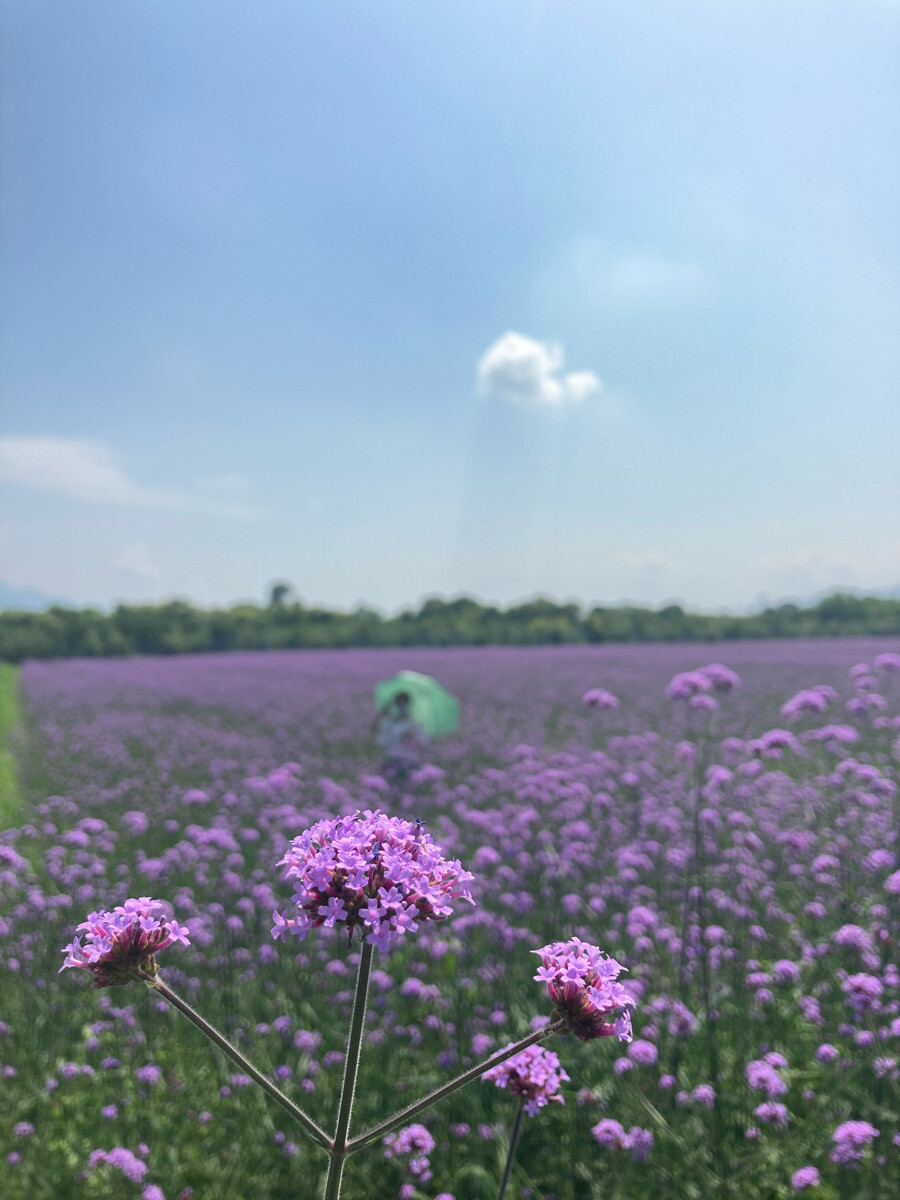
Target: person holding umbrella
400,737
410,709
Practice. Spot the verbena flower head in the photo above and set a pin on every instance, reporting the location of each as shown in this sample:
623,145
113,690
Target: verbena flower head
805,1177
850,1141
762,1076
810,700
120,1158
721,677
772,1112
854,937
120,943
862,992
639,1142
705,1094
644,1053
415,1141
382,874
688,684
581,981
609,1133
534,1074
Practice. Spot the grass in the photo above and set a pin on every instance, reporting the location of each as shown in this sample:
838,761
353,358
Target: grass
10,713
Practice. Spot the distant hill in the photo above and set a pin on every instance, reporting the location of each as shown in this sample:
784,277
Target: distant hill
26,599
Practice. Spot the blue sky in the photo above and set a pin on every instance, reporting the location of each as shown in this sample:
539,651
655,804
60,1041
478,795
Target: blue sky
388,300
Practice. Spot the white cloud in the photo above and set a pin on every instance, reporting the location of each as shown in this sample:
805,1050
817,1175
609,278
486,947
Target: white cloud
806,571
648,560
521,370
81,469
135,561
594,274
88,470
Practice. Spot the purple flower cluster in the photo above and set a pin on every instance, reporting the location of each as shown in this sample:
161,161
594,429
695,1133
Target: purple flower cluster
381,873
762,1076
805,1177
534,1074
773,743
581,982
692,685
122,942
149,1074
772,1113
643,1053
688,684
813,700
853,937
611,1135
851,1141
415,1141
722,678
862,992
703,1093
600,698
120,1158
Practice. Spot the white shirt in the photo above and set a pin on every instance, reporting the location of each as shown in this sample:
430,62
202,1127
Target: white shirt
399,736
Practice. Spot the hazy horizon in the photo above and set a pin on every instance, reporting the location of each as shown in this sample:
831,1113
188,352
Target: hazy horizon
30,600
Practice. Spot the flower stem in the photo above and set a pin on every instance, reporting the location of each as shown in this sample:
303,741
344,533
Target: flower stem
413,1110
511,1153
339,1147
307,1124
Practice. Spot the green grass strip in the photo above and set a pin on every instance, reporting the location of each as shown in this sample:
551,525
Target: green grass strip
10,714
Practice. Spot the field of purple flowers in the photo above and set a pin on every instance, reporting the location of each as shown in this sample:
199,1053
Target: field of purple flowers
728,834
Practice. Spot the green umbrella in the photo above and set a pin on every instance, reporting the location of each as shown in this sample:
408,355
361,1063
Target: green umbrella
432,707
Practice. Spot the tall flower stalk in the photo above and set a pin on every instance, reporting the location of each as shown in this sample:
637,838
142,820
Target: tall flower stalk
115,957
380,877
338,1150
511,1152
534,1077
406,1114
306,1123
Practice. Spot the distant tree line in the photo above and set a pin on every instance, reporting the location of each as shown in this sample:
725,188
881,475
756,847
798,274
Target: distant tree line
179,628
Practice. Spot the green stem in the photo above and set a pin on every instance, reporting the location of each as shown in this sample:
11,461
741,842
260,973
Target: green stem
511,1153
413,1110
339,1147
307,1124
